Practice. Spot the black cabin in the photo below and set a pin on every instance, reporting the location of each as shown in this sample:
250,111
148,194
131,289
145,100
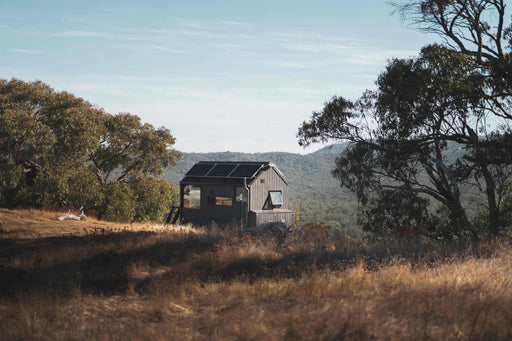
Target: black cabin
244,193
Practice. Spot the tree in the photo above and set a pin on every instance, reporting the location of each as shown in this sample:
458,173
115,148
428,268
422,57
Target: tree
128,147
57,149
133,153
477,30
40,131
399,136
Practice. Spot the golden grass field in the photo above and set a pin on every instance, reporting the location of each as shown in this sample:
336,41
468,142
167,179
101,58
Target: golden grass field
92,280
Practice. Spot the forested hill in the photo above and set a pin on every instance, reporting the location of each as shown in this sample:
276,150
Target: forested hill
311,185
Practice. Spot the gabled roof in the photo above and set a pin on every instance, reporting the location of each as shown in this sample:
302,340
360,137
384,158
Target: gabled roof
228,171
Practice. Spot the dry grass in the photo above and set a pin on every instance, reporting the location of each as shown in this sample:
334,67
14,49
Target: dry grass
96,280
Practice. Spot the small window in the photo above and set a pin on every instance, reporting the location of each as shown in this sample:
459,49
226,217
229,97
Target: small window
274,200
192,197
223,201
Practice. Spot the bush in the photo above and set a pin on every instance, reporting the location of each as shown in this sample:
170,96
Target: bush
154,198
83,190
120,202
143,198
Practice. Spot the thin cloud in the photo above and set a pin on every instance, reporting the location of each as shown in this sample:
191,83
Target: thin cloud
83,34
26,51
234,23
12,17
167,49
293,65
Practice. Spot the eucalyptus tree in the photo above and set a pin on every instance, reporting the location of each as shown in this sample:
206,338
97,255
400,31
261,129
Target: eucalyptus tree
43,135
129,148
480,30
57,149
459,93
399,135
129,157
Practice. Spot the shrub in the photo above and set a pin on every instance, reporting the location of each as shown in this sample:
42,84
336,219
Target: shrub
154,198
120,202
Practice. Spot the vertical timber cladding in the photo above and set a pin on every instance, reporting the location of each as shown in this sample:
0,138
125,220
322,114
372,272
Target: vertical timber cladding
265,182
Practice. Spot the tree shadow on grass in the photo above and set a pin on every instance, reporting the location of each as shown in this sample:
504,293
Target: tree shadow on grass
96,263
101,264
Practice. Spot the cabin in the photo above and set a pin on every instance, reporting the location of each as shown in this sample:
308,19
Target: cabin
244,193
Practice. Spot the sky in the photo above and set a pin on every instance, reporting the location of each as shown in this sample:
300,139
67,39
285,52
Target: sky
228,75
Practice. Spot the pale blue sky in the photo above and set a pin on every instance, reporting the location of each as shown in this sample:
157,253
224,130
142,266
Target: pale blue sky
221,75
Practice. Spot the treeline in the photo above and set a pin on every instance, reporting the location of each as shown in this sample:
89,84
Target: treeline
59,150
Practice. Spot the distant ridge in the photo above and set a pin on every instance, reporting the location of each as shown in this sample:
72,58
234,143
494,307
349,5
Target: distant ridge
332,148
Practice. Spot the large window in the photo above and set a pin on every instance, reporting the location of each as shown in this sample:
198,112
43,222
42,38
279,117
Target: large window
192,197
274,200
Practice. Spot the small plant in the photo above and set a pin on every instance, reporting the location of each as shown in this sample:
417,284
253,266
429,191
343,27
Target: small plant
296,218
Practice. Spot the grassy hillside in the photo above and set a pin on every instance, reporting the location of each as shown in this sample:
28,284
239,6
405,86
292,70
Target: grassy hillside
77,280
311,185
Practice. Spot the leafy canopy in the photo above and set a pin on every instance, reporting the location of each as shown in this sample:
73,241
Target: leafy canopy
399,139
59,150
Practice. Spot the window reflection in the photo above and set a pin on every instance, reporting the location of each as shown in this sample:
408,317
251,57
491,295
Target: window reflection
192,197
223,201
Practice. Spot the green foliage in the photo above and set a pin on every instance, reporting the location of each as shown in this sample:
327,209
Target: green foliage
129,148
59,150
142,199
398,212
120,203
42,134
83,190
399,137
154,198
296,218
505,209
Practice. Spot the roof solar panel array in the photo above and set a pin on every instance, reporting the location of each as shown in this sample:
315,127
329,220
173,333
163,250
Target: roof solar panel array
225,169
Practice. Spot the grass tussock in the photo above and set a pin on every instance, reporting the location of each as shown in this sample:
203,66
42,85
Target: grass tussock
95,280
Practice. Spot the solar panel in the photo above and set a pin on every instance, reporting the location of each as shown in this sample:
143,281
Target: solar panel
222,170
225,169
200,169
245,171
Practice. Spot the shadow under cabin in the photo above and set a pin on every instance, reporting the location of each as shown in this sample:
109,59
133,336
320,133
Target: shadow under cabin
243,193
